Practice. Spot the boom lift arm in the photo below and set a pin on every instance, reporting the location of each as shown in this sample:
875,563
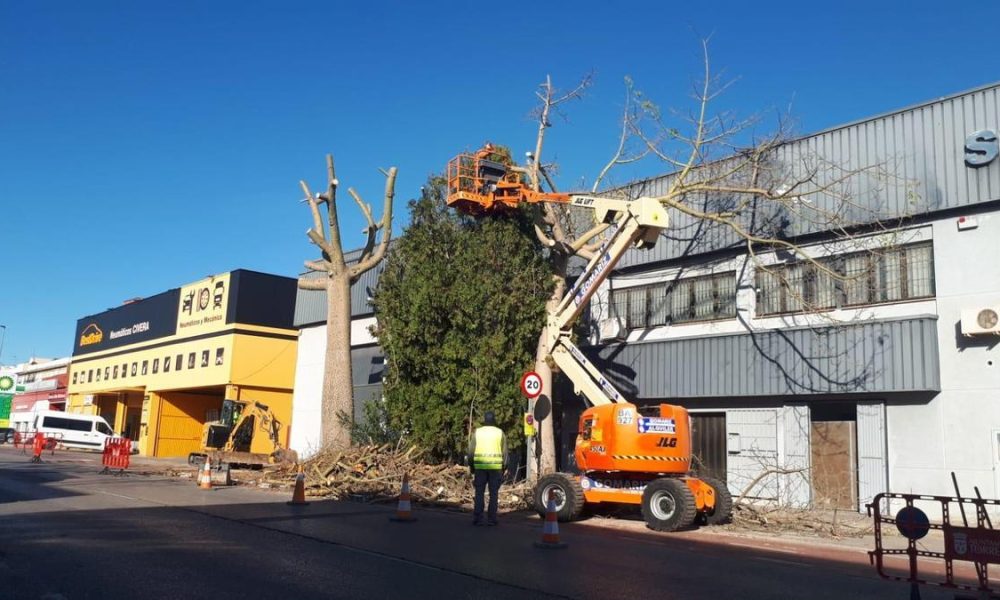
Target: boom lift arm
636,223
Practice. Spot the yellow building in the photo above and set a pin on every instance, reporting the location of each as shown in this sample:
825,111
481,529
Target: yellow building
159,368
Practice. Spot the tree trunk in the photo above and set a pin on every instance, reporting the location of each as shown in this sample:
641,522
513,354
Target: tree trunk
337,397
545,457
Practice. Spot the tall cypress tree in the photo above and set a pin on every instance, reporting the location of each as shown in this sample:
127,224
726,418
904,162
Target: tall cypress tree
459,308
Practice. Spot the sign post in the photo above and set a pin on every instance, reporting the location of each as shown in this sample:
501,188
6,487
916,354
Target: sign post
531,388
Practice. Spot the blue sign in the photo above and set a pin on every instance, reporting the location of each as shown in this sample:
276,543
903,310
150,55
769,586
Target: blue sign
912,522
657,425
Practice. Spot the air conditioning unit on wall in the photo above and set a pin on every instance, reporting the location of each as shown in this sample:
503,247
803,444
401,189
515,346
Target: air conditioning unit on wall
981,321
612,329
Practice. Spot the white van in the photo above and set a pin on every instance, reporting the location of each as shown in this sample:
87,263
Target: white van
73,430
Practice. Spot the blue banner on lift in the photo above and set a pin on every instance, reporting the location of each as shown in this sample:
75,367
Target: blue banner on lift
657,425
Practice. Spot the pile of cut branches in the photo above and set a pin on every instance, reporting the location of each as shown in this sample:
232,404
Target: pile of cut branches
375,473
820,522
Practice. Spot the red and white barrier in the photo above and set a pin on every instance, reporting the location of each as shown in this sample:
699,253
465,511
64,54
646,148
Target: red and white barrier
117,453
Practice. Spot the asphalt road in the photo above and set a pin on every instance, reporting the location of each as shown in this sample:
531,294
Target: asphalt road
68,532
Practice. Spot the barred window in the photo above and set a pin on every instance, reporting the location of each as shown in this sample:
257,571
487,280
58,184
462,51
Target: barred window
898,274
706,298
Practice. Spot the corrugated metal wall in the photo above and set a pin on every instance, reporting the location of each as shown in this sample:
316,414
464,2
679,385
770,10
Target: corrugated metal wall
874,356
920,148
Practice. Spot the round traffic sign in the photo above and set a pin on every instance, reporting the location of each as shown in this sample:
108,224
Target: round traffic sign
531,384
912,522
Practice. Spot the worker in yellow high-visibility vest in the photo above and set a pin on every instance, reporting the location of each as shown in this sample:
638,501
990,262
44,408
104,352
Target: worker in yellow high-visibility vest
487,460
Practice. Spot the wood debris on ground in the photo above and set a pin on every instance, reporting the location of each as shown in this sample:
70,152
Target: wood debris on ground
375,473
822,523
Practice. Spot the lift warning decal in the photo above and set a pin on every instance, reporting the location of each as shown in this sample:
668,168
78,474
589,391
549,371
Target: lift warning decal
657,425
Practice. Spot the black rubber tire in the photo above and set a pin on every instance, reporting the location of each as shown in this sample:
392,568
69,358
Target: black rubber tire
569,496
680,510
723,511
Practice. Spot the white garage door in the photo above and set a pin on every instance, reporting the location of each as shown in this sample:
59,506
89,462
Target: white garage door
752,448
872,465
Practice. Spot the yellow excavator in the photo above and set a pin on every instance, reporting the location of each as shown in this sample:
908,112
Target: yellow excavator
246,434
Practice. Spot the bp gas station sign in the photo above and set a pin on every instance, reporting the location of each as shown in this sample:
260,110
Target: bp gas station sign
6,398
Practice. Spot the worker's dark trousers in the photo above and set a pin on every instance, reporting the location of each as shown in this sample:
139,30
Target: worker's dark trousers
482,479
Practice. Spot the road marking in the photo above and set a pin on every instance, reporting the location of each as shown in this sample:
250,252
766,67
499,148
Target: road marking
780,561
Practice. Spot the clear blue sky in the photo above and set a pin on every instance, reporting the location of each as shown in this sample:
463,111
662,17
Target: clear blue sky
145,145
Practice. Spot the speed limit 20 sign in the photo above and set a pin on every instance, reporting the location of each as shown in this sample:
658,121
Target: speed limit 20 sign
531,384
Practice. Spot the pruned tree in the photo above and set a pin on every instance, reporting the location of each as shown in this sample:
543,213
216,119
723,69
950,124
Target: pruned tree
335,278
730,187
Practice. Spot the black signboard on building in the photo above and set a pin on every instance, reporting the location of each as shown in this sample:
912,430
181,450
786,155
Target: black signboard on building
140,321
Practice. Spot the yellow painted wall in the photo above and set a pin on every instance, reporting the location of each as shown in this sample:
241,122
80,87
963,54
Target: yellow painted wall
181,422
264,362
280,403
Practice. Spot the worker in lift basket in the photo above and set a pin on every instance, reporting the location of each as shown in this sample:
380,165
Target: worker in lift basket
487,461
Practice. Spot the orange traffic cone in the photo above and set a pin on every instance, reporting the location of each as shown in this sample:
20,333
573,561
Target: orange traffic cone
205,479
550,530
299,494
404,513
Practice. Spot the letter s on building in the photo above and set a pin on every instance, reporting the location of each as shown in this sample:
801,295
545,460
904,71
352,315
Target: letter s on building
981,148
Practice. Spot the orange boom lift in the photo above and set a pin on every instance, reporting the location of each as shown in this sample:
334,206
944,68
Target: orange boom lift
626,454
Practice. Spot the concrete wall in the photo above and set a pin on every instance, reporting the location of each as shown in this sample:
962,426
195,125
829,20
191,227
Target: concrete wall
956,430
307,398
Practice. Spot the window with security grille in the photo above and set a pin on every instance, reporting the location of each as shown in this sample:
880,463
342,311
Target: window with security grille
693,299
898,274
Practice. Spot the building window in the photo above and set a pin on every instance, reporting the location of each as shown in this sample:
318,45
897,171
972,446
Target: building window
124,370
114,373
204,358
898,274
135,369
74,377
145,367
191,360
98,378
166,364
90,375
705,298
107,373
218,356
180,362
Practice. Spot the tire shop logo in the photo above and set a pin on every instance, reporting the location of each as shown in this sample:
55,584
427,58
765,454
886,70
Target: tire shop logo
92,334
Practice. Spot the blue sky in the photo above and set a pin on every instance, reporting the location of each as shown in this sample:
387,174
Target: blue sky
145,145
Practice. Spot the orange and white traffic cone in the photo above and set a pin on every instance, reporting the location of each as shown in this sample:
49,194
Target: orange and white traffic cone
299,493
205,479
404,512
550,530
